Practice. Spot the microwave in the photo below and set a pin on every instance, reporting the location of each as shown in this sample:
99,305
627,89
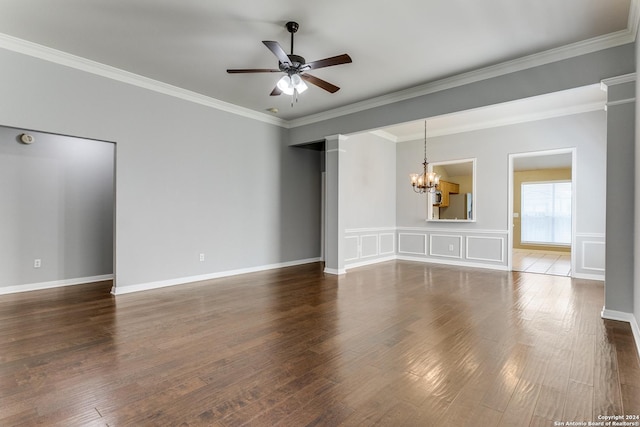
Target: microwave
437,197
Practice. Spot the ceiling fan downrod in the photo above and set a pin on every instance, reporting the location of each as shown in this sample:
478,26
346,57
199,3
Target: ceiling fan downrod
292,27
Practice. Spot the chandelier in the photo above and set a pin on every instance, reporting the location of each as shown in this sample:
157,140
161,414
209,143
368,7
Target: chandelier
426,182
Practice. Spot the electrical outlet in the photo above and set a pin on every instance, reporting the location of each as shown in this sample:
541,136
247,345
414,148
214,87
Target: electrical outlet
450,248
201,257
37,263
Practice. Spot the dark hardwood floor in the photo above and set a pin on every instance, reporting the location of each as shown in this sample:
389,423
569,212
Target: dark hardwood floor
398,343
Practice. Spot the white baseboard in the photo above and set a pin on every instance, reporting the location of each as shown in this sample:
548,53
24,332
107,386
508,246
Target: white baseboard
599,277
335,271
120,290
621,316
453,263
424,260
370,262
54,284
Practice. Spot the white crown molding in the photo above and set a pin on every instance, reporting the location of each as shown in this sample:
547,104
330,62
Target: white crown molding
385,135
565,52
618,80
62,58
553,55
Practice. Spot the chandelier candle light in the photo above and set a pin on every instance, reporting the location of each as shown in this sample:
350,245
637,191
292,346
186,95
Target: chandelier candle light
426,182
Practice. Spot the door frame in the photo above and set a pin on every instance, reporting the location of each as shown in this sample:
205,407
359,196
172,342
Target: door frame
574,185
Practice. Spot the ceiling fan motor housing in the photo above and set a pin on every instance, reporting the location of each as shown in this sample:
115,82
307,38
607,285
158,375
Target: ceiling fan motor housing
297,62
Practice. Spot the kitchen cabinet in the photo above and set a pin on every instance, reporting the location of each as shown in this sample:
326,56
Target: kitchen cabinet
445,189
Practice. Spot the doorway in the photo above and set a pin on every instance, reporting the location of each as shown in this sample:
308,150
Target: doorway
542,212
58,218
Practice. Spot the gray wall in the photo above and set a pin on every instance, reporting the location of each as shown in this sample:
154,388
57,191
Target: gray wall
636,277
190,179
491,148
57,199
565,74
370,181
620,206
370,198
570,73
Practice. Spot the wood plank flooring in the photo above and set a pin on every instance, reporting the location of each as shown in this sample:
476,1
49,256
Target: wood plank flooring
394,344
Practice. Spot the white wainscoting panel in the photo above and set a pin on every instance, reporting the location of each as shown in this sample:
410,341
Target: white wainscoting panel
364,246
462,247
387,243
412,243
351,251
368,245
485,248
445,245
593,255
589,256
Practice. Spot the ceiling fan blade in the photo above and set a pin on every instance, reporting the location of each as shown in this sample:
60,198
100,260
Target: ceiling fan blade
278,52
328,62
275,92
320,83
252,70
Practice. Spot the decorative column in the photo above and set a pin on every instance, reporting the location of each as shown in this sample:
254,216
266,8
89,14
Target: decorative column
334,206
619,256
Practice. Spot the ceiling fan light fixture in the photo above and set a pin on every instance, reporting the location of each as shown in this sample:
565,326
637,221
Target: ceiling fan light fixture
285,85
298,83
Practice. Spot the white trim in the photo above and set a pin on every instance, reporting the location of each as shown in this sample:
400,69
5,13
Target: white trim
120,290
574,192
454,263
54,284
357,247
369,262
458,230
540,251
621,316
636,333
393,243
459,237
63,58
369,230
486,238
335,272
474,207
553,55
592,235
634,18
336,150
618,80
427,261
620,102
377,245
584,251
385,135
409,252
598,277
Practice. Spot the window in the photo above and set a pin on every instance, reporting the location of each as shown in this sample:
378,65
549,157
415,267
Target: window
546,213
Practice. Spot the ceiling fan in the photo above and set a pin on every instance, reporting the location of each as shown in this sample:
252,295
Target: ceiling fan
295,68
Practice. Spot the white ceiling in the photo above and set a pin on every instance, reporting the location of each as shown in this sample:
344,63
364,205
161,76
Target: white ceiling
394,45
